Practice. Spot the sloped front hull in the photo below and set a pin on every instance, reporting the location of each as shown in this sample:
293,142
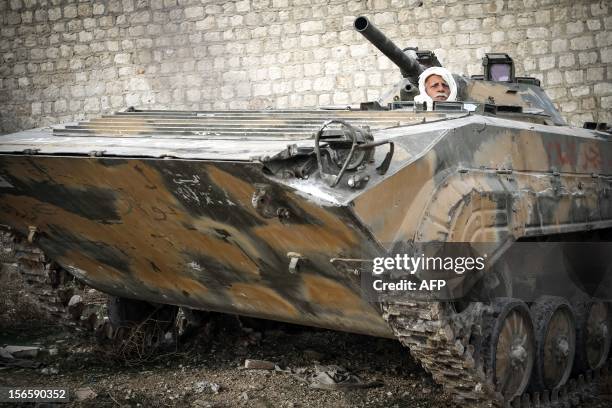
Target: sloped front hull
190,233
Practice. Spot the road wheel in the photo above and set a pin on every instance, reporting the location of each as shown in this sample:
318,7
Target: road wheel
509,346
593,335
555,330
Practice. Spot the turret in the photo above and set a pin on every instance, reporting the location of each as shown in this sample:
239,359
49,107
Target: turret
498,88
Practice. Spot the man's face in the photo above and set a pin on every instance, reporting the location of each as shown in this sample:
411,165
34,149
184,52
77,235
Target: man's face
437,88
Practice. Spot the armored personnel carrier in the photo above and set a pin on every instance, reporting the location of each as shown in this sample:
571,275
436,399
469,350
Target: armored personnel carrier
277,214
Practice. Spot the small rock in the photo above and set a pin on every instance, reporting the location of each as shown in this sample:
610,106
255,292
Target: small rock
244,396
53,352
426,391
168,338
76,306
258,365
82,394
202,386
202,404
49,371
22,351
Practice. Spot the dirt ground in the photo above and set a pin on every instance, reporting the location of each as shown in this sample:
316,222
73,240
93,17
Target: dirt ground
180,376
207,369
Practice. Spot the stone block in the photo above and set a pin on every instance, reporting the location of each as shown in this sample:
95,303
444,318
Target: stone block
578,91
98,9
122,58
559,45
537,32
54,13
603,38
539,47
582,43
91,105
553,78
574,76
587,58
606,56
575,27
566,60
311,26
194,12
547,62
595,74
602,88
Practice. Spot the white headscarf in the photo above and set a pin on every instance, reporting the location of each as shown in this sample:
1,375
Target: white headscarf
446,75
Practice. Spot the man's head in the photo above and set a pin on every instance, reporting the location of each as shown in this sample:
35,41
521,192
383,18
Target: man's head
437,88
436,84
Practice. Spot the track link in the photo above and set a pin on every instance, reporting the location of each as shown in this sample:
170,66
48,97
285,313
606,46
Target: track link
443,341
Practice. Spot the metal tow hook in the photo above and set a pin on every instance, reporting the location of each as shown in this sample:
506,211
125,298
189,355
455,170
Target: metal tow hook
32,233
294,259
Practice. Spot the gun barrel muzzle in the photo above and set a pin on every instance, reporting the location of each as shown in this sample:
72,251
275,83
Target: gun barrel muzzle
410,67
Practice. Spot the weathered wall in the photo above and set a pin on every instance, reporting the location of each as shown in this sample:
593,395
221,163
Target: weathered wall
66,59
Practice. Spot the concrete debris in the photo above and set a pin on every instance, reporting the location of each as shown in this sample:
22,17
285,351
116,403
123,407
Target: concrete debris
53,351
22,351
13,356
5,355
82,394
334,377
49,371
205,386
259,365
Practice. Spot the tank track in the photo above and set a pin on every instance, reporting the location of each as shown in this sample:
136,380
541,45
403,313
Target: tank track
442,341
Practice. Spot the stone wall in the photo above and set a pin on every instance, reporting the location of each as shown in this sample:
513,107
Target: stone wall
62,60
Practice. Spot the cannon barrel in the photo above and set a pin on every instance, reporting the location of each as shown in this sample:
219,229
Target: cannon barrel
410,68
